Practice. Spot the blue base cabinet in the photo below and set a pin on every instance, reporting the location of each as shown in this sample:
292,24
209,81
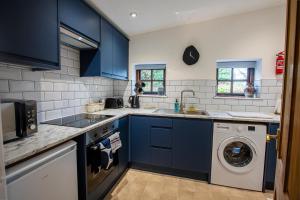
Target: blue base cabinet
124,151
270,160
30,33
171,145
139,140
192,142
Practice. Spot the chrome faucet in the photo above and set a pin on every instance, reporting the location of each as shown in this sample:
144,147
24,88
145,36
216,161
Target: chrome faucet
181,104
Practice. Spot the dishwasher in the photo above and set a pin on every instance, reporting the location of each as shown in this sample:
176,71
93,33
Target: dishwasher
50,175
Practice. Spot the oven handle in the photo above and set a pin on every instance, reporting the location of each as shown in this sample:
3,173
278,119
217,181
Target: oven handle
95,147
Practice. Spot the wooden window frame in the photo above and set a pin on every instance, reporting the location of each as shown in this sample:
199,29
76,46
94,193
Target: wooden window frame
138,78
250,79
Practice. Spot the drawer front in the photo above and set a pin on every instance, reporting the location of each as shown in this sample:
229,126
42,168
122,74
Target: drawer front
161,122
161,137
161,157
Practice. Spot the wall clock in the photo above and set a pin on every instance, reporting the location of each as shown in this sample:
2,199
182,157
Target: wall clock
190,55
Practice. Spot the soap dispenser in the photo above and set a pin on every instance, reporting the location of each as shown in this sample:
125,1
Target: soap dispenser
176,106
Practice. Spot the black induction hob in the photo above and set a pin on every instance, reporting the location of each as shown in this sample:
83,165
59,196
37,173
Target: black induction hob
78,121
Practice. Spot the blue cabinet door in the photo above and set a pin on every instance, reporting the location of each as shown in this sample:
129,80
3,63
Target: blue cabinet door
29,33
192,145
140,140
124,151
76,14
106,48
90,61
120,55
270,161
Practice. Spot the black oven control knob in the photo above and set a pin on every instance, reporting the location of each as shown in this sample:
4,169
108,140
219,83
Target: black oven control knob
95,135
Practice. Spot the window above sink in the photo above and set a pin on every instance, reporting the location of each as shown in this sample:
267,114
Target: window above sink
233,77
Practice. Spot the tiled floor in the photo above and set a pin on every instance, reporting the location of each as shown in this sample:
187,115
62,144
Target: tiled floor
140,185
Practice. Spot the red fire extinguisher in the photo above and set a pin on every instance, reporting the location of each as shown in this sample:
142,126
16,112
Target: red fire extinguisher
280,62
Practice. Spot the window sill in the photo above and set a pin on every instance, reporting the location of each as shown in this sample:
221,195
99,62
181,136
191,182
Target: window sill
153,96
237,97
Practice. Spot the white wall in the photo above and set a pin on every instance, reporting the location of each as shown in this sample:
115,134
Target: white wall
259,34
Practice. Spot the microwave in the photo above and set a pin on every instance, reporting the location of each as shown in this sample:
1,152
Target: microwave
19,118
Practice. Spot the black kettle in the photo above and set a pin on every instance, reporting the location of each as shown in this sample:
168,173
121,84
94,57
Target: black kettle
134,101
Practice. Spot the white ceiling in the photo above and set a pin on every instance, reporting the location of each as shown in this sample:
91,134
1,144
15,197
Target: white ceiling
160,14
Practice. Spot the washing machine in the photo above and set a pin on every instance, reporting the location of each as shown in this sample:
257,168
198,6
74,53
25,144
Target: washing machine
238,155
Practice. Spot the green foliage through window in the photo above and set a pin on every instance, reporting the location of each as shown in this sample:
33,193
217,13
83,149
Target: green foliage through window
154,80
233,81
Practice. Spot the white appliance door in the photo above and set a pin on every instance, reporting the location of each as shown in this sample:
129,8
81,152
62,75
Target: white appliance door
237,154
51,175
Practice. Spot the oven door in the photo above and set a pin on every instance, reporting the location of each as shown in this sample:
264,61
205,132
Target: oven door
97,174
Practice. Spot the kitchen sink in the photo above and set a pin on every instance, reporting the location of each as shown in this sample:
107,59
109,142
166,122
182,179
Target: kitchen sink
171,111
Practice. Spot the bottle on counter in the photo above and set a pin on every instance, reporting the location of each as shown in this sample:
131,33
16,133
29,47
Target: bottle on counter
176,106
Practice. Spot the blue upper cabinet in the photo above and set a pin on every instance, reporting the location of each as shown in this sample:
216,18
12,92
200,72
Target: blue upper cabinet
106,48
120,55
111,59
29,32
192,145
76,14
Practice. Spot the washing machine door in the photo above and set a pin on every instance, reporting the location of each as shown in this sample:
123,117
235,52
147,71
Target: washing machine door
237,154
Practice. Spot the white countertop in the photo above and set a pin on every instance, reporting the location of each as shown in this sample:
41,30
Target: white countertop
50,135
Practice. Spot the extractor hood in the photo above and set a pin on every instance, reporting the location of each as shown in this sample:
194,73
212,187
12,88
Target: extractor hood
75,40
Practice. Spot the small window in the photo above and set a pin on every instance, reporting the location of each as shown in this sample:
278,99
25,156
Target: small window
154,79
231,81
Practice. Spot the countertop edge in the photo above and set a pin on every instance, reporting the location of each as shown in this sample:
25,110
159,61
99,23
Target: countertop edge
124,114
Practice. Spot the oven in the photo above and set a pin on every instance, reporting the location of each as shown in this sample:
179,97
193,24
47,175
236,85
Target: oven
101,161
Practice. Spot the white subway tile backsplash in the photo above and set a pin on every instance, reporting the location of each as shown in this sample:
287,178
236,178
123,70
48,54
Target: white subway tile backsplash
51,76
187,82
68,112
266,109
224,107
269,82
212,107
205,92
43,86
252,109
4,87
60,87
276,89
238,108
57,92
32,76
10,74
67,62
52,114
175,82
61,104
21,86
41,116
11,95
68,95
74,102
37,96
67,78
53,96
44,106
73,71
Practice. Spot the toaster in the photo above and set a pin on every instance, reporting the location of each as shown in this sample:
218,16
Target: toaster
114,102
